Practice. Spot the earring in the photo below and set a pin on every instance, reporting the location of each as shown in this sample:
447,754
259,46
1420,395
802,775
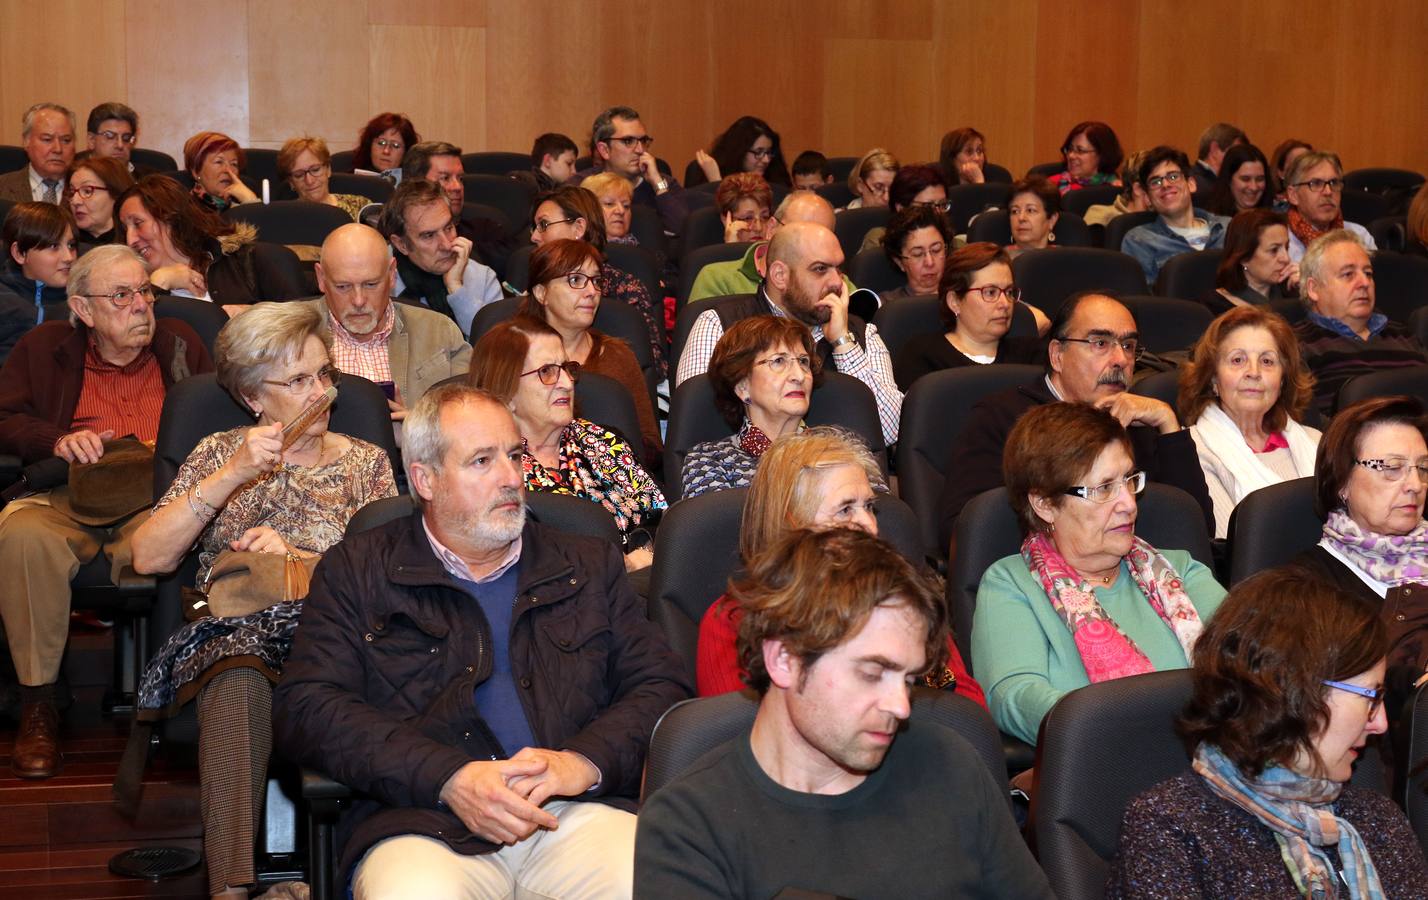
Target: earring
1051,238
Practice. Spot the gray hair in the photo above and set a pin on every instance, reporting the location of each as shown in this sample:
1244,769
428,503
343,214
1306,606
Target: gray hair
422,438
28,121
114,110
1309,160
1222,133
417,160
1312,263
266,335
604,127
84,270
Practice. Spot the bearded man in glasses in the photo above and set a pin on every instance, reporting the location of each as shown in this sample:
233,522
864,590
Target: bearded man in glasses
620,144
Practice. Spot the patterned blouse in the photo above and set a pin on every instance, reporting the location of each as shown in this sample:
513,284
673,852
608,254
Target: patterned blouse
623,286
717,466
352,204
308,506
597,465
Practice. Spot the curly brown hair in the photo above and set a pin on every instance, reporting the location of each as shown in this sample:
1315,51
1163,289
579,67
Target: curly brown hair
736,351
1197,378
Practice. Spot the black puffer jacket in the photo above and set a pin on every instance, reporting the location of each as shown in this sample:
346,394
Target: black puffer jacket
379,690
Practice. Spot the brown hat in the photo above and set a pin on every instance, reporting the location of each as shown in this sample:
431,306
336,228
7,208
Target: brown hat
118,485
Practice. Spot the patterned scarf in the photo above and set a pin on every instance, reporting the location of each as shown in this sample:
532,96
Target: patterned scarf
1306,230
1393,559
1106,651
1299,810
752,440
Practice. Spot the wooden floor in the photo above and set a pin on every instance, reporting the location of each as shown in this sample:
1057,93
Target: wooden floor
57,835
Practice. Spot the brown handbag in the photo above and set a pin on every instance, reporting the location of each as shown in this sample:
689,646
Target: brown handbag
245,581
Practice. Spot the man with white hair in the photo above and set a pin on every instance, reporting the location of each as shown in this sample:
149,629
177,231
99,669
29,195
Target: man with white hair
47,132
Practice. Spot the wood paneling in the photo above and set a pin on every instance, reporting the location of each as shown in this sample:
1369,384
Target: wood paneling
299,53
31,70
436,76
877,88
449,13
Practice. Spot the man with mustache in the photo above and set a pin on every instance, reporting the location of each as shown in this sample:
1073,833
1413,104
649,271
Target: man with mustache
1314,187
487,684
65,390
1179,226
1344,336
48,134
434,265
1090,359
836,628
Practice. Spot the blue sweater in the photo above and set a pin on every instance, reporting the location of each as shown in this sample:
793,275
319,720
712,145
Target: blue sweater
496,697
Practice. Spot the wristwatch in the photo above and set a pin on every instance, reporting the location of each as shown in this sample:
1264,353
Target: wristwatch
661,186
847,338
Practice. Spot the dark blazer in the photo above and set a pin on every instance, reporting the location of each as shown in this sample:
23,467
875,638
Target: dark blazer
379,691
975,464
16,186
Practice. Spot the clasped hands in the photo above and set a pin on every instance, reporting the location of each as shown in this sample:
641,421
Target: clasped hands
501,800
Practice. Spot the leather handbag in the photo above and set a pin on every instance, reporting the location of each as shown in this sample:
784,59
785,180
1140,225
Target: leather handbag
242,582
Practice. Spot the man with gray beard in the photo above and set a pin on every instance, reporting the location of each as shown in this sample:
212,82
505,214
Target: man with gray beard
488,686
1091,355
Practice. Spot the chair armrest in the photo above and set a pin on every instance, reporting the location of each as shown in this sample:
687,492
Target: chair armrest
317,786
1020,755
133,585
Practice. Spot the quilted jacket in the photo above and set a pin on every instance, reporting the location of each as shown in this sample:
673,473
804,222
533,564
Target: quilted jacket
379,690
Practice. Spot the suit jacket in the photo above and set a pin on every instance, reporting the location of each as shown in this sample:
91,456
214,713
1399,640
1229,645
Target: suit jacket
425,347
15,186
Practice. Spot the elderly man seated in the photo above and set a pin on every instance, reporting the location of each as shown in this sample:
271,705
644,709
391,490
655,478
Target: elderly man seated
1344,336
47,130
65,391
1314,187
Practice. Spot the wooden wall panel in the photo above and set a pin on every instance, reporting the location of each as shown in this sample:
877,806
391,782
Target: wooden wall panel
1085,68
877,87
436,76
448,13
541,72
31,71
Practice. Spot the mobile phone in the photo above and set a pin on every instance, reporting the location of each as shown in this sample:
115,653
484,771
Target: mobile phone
389,388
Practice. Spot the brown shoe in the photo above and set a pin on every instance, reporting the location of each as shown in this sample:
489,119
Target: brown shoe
37,753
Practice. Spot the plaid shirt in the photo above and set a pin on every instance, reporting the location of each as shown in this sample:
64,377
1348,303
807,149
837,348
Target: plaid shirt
368,358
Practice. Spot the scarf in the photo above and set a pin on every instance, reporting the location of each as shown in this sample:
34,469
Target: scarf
1299,810
1393,559
1066,182
1217,433
419,284
1305,230
752,440
1106,651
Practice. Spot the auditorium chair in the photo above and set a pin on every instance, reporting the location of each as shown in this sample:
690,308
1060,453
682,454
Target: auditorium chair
472,214
994,225
997,174
1400,284
13,159
207,319
154,159
1416,794
1190,275
1163,386
512,197
873,270
495,162
838,399
840,167
647,228
969,201
290,221
1047,170
378,190
341,162
1389,233
1079,202
836,193
902,320
1362,208
261,163
703,227
1382,181
691,263
1412,381
852,225
1271,526
1048,277
1121,225
1167,324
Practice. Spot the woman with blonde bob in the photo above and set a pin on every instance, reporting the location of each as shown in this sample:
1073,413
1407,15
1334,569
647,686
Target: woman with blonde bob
872,178
307,165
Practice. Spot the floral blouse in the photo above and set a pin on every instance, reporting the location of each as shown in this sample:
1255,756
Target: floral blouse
597,465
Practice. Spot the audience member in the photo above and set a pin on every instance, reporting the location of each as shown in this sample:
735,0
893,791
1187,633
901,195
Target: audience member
745,203
1034,208
382,144
1090,360
564,281
916,185
216,163
1092,153
504,757
802,281
811,171
67,390
1215,142
979,298
620,144
1243,183
1314,187
617,201
47,132
434,266
93,186
763,373
1255,268
1283,157
1243,396
1086,600
113,131
306,164
39,250
916,242
552,162
836,627
1131,199
1343,336
749,145
1369,487
1287,688
1416,226
440,163
1178,227
522,361
243,492
963,156
743,276
871,178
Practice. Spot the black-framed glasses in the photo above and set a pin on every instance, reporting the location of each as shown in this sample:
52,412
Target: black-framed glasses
578,280
127,138
542,225
549,373
942,206
1105,493
122,297
761,154
755,220
1102,345
631,142
991,293
1071,150
1394,469
1317,185
1158,181
918,254
309,172
85,191
1373,695
301,384
779,364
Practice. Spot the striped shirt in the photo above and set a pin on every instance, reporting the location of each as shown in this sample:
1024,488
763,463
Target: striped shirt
368,358
123,399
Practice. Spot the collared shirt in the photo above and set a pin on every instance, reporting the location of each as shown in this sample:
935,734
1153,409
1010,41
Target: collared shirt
1376,323
1051,386
123,399
370,358
1378,587
457,567
37,186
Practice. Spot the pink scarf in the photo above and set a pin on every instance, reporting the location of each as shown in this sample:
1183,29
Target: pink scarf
1106,651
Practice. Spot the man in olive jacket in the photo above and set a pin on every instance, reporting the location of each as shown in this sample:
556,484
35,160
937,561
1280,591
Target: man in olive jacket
477,677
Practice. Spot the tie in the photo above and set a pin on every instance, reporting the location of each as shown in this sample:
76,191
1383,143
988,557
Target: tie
51,190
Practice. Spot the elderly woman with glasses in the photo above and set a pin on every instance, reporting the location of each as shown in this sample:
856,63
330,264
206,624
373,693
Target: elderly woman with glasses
257,491
523,362
307,165
1092,153
745,203
1086,600
93,186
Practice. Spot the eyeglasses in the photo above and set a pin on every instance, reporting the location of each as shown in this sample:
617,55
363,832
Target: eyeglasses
1160,181
1070,150
991,293
388,145
878,188
123,296
755,220
309,172
85,191
780,363
127,138
549,373
541,224
1105,493
942,206
761,154
1373,695
1394,470
917,254
578,280
301,384
631,143
1102,345
1318,184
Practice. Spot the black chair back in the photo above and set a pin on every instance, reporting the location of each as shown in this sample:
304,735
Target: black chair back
378,190
1047,170
1412,381
647,228
13,159
290,221
495,162
207,319
341,162
994,225
998,174
1189,276
262,163
1048,277
1163,386
1271,526
703,227
1416,795
153,159
692,262
971,200
1381,180
1120,226
473,213
852,225
1389,233
1079,202
837,194
1400,284
873,270
840,167
1167,324
645,266
512,197
605,401
1362,208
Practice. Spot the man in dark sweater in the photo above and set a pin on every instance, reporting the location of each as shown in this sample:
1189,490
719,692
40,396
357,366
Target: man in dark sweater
1090,359
620,144
832,791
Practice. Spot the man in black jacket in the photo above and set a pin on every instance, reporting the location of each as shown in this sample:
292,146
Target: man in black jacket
1090,359
476,677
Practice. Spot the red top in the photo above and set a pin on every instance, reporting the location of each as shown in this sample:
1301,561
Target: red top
717,662
123,399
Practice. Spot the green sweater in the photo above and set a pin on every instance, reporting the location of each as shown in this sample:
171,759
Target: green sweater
1024,656
732,278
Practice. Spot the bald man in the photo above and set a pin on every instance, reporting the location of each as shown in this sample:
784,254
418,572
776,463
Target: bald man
801,280
403,347
742,276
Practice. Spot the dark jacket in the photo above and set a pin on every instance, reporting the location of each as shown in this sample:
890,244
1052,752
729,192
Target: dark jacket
24,303
247,270
44,374
379,689
975,464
